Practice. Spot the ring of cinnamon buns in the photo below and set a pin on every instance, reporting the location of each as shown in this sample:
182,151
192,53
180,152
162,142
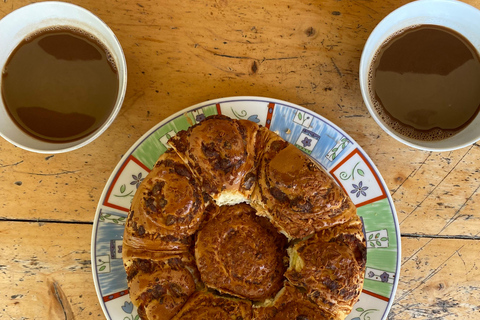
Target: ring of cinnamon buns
233,222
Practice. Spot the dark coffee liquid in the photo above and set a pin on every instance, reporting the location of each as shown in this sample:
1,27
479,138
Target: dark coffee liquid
60,84
425,82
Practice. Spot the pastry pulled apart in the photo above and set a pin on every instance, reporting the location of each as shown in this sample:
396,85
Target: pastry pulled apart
329,267
233,222
221,152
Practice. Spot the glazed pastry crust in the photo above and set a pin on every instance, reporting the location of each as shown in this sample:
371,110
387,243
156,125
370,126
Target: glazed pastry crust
193,250
241,254
294,192
330,266
221,152
169,202
160,286
291,304
208,306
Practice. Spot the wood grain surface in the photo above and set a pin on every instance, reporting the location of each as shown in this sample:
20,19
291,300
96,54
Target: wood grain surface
180,53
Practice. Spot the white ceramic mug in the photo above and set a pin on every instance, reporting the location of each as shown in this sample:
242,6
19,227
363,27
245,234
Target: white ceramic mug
451,14
16,26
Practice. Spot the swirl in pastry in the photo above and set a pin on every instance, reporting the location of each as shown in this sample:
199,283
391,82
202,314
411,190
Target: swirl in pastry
159,287
330,266
221,151
169,202
241,254
290,303
207,306
295,193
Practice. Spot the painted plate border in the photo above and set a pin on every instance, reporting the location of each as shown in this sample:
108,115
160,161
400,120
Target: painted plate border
329,145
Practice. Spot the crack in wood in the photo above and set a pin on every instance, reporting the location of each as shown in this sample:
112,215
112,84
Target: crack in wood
436,186
336,68
229,56
430,275
11,165
438,236
281,58
43,221
50,174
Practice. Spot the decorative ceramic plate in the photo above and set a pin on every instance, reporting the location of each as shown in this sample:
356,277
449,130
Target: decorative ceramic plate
338,153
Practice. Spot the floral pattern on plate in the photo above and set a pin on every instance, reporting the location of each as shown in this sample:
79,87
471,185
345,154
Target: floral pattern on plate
358,178
368,307
255,111
126,182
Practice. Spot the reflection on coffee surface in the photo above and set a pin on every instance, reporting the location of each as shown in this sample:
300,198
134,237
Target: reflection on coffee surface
425,82
60,84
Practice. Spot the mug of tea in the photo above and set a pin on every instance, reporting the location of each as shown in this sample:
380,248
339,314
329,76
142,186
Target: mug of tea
63,77
420,74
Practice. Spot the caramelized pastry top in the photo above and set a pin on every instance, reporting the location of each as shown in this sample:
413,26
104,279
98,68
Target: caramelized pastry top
221,152
207,306
330,266
241,254
297,195
290,303
161,286
169,202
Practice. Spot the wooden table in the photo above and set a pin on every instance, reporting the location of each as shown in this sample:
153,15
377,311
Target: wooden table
180,53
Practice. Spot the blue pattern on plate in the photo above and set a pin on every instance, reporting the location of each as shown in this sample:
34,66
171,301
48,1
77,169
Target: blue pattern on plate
283,124
115,280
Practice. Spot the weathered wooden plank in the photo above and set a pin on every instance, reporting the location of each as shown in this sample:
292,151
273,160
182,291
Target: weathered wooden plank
45,272
439,279
440,196
182,53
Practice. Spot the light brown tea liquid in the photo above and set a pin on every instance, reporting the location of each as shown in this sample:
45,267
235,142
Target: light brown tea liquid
60,84
425,82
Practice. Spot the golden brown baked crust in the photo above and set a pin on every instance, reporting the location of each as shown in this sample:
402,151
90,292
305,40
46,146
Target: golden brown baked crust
159,287
291,304
221,151
166,210
330,266
174,227
241,254
169,202
207,306
297,195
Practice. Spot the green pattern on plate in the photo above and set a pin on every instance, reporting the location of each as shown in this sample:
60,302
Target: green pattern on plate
210,110
149,151
379,216
381,288
154,146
